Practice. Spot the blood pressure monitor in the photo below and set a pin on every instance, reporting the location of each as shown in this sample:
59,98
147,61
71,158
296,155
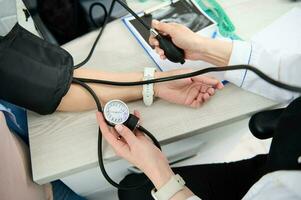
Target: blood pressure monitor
116,112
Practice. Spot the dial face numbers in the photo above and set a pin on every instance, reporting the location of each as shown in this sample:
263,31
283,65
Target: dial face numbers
116,112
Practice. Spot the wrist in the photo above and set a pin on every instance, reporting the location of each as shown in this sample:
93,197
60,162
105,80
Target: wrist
195,47
156,169
202,45
160,176
216,52
157,85
159,172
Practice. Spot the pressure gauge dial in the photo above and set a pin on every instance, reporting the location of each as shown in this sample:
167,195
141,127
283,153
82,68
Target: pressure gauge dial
116,112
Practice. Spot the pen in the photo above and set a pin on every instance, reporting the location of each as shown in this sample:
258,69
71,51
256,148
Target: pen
214,34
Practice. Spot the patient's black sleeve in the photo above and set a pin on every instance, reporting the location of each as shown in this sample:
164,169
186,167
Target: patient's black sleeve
218,181
33,73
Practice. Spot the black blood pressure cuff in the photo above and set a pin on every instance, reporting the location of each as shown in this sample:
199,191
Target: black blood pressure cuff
34,74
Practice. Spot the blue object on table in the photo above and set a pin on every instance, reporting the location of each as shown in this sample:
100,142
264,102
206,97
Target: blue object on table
214,34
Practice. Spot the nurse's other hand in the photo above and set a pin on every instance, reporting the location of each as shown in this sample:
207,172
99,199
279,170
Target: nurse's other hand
138,150
191,92
181,36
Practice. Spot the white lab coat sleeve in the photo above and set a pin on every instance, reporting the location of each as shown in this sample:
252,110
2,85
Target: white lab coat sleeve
277,185
193,198
280,65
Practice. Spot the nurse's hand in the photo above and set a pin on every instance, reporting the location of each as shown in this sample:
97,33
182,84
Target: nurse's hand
138,150
181,36
191,92
196,47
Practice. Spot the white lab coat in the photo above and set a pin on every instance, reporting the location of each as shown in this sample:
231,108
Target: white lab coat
280,66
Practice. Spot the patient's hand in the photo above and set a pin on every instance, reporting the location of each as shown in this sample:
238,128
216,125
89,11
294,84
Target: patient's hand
191,92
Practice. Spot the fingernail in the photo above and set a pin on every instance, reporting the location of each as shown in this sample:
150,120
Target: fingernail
119,128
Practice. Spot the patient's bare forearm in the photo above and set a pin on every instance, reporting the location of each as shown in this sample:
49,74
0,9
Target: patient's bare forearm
78,99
